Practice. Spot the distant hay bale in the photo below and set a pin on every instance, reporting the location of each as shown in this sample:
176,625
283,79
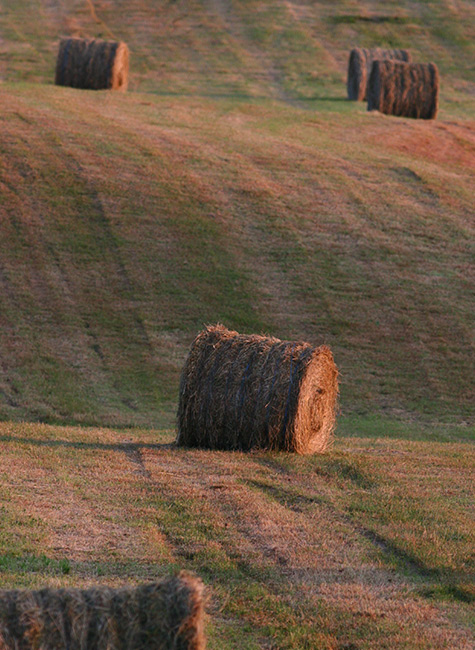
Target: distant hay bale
404,89
92,64
359,68
160,616
245,392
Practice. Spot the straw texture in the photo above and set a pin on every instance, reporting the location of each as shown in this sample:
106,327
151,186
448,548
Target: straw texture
404,89
359,68
162,616
92,64
248,391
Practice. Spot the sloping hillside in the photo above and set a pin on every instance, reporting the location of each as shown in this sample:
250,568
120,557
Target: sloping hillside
287,49
233,183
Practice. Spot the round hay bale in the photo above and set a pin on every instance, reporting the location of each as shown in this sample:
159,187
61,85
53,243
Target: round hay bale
167,614
359,68
404,89
248,391
92,64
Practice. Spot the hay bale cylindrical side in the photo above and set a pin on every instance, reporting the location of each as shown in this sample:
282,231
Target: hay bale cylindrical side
359,68
167,614
92,64
248,391
404,89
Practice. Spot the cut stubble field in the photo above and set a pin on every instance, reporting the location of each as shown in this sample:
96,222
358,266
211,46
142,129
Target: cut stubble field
368,546
257,215
234,183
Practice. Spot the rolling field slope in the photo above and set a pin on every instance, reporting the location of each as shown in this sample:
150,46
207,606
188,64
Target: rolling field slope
130,220
235,183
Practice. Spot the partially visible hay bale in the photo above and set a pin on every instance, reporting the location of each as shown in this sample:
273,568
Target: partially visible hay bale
404,89
245,392
359,68
161,616
92,64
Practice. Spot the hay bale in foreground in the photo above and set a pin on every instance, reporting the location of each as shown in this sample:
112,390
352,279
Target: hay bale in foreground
244,392
167,615
92,64
360,64
404,89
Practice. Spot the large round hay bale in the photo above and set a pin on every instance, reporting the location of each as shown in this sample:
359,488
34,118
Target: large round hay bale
92,64
248,391
359,68
163,615
404,89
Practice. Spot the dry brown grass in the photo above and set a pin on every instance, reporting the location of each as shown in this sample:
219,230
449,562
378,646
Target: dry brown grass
92,64
296,219
296,527
163,615
404,89
249,391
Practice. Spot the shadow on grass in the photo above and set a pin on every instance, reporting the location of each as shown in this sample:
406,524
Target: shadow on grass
363,18
288,498
328,99
445,579
342,469
42,565
130,449
114,446
440,583
448,592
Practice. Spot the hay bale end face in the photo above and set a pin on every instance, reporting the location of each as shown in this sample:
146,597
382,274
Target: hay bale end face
404,89
247,391
92,64
359,68
159,616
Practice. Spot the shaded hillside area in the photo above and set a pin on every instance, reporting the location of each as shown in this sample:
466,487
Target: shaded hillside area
129,221
233,183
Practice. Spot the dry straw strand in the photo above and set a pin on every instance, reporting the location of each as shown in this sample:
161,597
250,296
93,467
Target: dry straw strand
167,615
359,68
249,391
92,64
404,89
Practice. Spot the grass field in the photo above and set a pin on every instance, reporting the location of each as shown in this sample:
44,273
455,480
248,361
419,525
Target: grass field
368,546
235,183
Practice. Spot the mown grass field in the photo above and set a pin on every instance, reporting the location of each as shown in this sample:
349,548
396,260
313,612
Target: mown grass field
368,546
235,183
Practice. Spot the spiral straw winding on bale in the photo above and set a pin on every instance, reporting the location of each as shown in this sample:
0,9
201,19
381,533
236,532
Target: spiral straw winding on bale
359,68
249,391
404,89
167,615
92,64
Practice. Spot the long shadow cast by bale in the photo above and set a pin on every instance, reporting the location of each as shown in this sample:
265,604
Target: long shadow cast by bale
132,450
444,579
114,446
327,99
